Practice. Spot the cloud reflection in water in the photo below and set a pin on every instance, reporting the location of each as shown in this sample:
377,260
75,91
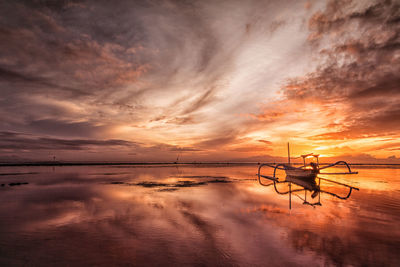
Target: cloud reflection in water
80,216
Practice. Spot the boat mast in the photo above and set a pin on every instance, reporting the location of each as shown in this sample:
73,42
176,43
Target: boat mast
316,156
288,153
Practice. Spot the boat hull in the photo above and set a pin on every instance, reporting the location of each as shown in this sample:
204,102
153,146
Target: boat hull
301,173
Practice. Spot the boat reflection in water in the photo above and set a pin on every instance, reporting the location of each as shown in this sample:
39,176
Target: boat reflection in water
310,186
306,178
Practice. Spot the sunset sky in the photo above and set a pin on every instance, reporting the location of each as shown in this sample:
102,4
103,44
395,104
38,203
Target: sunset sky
207,80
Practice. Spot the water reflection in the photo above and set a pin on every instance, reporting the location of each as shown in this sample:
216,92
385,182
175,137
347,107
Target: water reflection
193,215
311,186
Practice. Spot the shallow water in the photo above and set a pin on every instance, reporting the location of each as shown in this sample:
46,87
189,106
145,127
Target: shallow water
193,215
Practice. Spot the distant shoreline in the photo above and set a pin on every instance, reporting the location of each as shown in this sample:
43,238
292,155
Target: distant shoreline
21,164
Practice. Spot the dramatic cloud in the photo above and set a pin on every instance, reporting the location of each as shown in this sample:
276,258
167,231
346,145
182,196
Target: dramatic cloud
355,87
208,79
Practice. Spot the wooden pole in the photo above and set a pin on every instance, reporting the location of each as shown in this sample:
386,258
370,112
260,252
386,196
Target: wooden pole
288,153
290,195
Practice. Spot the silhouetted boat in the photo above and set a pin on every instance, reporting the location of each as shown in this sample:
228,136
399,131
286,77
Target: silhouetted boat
306,178
300,172
309,171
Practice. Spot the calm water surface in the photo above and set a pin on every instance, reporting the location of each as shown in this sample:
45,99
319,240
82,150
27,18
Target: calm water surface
192,215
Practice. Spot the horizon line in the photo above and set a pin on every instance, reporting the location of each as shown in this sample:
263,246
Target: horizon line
93,163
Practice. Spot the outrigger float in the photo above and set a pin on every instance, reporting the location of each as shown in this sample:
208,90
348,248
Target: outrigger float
305,177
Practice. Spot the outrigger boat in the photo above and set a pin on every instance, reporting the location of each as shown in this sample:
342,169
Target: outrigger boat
305,177
308,171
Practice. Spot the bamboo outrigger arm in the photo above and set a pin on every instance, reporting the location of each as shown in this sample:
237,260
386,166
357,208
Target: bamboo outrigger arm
272,178
342,184
336,195
338,163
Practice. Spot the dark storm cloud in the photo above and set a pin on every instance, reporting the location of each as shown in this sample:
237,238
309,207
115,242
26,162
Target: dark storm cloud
62,46
386,122
360,66
33,82
58,5
64,128
19,141
338,15
42,148
388,85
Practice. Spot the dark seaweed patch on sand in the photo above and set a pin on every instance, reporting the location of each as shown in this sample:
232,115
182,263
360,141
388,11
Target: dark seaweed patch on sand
171,186
17,173
167,189
205,177
151,184
14,184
